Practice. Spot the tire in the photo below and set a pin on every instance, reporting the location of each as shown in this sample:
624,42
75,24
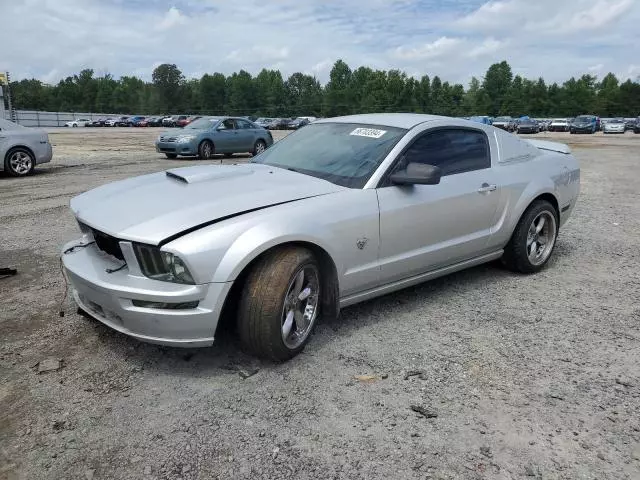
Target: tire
259,147
172,156
19,162
74,125
269,325
206,150
519,254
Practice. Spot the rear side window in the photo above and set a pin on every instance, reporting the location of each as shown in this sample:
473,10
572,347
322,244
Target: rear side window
244,125
452,150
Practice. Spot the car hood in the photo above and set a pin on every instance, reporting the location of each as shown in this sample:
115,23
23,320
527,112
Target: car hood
154,208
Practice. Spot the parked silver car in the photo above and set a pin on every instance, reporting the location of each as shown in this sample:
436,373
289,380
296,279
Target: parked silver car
341,211
21,148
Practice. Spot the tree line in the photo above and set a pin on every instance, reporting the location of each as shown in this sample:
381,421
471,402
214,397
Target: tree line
348,91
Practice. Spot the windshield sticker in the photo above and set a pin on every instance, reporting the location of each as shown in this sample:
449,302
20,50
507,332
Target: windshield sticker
368,132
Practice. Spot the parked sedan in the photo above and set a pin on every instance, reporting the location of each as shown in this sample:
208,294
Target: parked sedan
210,135
263,122
279,124
297,123
78,122
528,125
614,126
584,124
559,125
21,148
312,225
505,123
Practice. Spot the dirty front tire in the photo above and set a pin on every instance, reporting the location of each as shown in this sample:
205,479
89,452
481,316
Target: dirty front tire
172,156
270,313
205,150
537,231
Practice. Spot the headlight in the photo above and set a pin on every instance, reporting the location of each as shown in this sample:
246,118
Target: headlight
185,138
163,266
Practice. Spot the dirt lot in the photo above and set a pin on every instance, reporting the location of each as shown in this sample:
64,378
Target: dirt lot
526,376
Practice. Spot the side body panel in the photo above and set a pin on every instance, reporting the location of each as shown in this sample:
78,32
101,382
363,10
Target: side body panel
344,224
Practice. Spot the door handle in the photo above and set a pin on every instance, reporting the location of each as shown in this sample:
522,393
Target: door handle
487,188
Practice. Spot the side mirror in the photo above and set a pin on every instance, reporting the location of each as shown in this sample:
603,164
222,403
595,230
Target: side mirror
417,174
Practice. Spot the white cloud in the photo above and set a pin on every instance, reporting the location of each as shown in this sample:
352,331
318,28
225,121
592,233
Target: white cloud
537,37
441,46
173,18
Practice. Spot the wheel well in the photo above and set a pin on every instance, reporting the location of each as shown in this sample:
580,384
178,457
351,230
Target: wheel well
331,292
551,199
19,147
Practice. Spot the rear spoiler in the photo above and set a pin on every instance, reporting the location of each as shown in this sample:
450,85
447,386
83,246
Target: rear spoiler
552,146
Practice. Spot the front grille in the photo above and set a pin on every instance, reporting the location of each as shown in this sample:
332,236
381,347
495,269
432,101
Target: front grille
107,244
168,139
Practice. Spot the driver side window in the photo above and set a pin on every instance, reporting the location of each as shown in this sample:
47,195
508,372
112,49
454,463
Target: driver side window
228,124
452,150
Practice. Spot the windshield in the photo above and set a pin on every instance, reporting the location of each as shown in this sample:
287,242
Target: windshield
346,154
583,119
559,120
202,123
616,121
502,119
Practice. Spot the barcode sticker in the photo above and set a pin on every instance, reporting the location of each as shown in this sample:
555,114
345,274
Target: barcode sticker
368,132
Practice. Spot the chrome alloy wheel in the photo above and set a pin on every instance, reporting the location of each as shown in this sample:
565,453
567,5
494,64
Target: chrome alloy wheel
260,148
541,237
21,163
300,306
206,150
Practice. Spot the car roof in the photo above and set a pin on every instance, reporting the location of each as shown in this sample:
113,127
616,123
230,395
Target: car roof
399,120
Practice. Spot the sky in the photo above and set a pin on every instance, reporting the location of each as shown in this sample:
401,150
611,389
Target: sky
455,39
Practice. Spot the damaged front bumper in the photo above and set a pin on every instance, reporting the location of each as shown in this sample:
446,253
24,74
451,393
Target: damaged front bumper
188,318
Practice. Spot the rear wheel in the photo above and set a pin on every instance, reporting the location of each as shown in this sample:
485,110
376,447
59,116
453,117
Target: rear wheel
205,150
171,155
19,162
259,147
533,240
280,304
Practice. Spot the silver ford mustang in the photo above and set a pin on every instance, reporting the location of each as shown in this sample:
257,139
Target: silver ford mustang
341,211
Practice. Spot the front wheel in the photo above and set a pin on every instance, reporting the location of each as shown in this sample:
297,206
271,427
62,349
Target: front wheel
19,162
205,150
533,240
259,147
280,303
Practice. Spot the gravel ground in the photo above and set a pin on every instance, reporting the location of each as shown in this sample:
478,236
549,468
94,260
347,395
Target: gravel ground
521,376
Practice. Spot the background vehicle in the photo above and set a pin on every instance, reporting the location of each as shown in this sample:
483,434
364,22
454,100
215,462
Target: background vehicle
263,122
182,120
583,124
278,124
616,125
21,148
559,125
528,125
170,121
481,119
210,135
112,121
98,122
79,122
154,121
311,225
505,123
123,121
630,123
136,121
297,123
636,127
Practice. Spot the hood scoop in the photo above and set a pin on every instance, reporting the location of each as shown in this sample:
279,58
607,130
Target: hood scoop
208,173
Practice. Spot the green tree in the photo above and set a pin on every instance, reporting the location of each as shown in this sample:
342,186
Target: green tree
338,92
168,82
496,84
213,92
